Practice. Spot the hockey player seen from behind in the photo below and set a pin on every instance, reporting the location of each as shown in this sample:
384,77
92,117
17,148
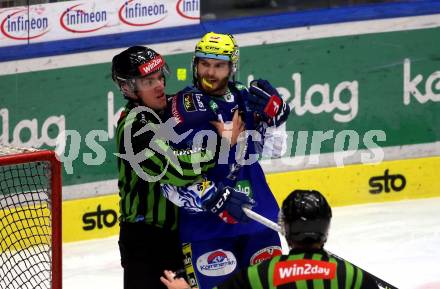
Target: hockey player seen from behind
305,220
218,238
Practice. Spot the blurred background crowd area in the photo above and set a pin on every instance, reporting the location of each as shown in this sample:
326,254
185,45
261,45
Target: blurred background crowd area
214,9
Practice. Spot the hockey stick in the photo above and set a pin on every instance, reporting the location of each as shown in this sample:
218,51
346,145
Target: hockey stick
274,226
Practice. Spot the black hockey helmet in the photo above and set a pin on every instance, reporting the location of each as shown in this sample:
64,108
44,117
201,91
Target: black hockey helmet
305,217
136,62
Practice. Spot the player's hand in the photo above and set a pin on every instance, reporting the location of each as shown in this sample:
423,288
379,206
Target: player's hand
264,99
230,130
228,204
172,282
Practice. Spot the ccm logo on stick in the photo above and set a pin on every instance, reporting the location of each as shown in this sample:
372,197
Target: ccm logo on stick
387,182
99,219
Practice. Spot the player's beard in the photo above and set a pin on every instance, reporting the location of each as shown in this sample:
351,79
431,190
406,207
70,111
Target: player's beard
217,88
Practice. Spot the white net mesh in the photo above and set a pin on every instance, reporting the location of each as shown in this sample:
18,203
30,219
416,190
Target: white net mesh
25,223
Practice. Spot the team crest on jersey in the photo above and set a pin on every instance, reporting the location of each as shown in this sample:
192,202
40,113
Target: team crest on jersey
229,97
265,254
217,263
190,197
203,187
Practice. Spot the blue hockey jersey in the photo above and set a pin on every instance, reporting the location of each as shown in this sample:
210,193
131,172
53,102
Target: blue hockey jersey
238,168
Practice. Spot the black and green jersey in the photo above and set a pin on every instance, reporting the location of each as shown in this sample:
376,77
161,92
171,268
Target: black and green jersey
302,270
139,180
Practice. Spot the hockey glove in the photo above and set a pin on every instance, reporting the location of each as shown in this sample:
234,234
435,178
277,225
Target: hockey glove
265,100
190,110
228,204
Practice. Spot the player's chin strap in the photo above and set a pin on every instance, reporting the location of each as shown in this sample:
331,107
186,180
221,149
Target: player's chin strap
274,226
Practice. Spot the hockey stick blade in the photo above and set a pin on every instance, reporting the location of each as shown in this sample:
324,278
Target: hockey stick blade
274,226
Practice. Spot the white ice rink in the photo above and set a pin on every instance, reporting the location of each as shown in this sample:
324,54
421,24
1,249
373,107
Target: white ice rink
398,242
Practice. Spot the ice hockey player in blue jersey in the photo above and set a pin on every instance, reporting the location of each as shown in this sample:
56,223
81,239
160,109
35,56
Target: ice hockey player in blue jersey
218,238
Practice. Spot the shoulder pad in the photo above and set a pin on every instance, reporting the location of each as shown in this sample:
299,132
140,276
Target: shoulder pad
190,88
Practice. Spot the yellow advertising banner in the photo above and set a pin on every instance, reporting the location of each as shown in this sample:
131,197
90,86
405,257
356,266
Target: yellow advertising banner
93,218
364,183
90,218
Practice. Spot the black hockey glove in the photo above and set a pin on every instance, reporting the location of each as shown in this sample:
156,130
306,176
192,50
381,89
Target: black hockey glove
266,101
228,204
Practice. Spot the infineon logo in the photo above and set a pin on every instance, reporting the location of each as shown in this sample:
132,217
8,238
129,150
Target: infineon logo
138,13
80,19
189,9
18,26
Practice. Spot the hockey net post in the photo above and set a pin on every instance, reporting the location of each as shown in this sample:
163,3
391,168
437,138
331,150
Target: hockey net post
30,219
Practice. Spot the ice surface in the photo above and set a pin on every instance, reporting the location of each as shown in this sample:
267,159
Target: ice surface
397,241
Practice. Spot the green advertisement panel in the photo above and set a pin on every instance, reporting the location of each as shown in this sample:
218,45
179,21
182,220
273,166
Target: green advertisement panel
387,82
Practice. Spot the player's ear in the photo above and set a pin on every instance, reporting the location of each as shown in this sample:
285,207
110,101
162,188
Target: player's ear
125,88
128,91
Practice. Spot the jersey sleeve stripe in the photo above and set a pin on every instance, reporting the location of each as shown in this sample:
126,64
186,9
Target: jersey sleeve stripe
254,277
359,279
348,275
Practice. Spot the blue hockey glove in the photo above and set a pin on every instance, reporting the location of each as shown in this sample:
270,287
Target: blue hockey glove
265,100
228,204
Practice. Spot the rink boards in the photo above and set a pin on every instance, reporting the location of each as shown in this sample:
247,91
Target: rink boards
364,183
93,218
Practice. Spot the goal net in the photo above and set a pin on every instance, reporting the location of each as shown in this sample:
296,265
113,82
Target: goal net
30,216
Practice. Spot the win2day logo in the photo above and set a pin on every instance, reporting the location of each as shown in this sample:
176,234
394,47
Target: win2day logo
387,183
